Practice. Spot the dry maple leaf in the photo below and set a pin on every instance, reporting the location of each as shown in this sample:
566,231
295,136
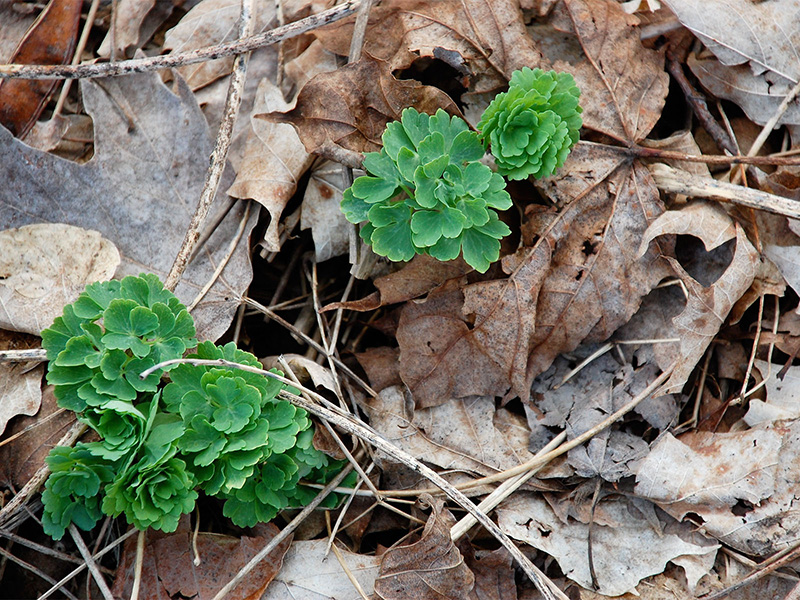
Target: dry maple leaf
351,106
483,39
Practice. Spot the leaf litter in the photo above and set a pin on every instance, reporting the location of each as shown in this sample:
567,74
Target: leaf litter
606,283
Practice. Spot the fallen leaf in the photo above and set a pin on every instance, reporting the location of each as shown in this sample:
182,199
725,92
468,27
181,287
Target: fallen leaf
20,459
133,23
484,39
169,571
626,547
746,504
304,368
20,383
139,190
493,571
381,366
321,213
706,306
623,85
45,266
431,567
311,572
351,106
50,41
740,31
464,435
783,396
273,162
314,60
213,22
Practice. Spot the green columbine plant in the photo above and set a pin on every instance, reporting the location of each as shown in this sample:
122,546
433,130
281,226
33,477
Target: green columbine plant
215,429
532,127
426,191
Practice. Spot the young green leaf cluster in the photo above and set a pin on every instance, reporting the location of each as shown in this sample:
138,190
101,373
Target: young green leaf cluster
532,127
427,193
215,429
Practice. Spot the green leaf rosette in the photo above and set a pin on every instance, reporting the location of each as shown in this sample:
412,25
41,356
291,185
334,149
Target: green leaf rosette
72,491
114,331
231,417
531,128
427,193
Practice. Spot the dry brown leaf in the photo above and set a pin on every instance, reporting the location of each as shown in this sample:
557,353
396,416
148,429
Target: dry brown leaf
742,485
431,568
706,307
381,366
681,141
273,162
493,571
20,383
314,60
465,435
212,22
22,457
133,23
139,190
782,402
351,106
169,571
311,572
321,212
44,267
484,39
623,85
626,545
50,40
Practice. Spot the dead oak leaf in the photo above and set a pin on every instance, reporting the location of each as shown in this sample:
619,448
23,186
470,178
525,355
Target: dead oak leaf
485,40
706,307
429,568
623,85
351,106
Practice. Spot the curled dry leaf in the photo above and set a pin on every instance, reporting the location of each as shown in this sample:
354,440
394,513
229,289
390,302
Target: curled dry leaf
274,160
623,85
44,267
321,212
169,571
431,567
309,571
351,106
139,190
485,40
626,545
20,383
782,401
133,22
747,504
212,22
706,307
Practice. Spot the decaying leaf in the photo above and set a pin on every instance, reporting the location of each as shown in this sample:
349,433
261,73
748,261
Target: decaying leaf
139,190
169,570
627,545
466,435
44,267
134,21
20,383
485,40
351,106
50,40
783,396
321,212
623,85
213,22
273,162
746,504
706,307
311,572
431,567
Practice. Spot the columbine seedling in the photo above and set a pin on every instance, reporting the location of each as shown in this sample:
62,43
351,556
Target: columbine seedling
219,430
426,192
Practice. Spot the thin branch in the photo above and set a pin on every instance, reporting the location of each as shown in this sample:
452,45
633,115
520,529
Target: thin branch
154,63
219,156
675,181
89,560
